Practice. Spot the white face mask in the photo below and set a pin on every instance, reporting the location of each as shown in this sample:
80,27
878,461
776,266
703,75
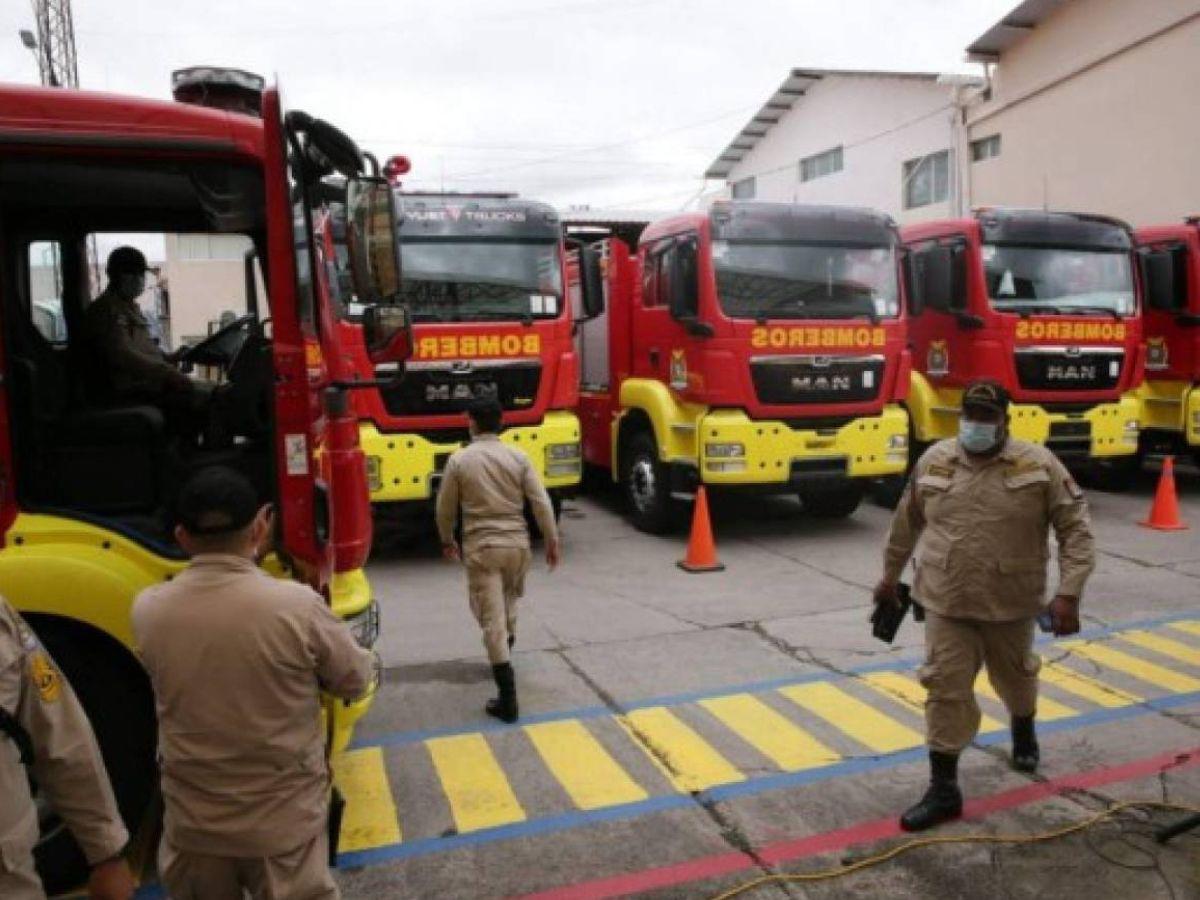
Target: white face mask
978,437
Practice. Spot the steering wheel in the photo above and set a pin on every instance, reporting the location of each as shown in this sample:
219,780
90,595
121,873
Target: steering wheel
222,346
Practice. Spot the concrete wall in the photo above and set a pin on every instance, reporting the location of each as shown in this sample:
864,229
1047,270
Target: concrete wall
1097,111
204,279
879,121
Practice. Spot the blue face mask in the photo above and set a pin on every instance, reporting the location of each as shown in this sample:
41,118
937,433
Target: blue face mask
978,437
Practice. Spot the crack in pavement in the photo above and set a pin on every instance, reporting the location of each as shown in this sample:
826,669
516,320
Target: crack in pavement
729,830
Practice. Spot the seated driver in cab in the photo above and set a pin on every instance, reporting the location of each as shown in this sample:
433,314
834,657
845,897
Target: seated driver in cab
130,366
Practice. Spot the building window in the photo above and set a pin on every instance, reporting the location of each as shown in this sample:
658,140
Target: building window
927,179
744,189
985,148
822,164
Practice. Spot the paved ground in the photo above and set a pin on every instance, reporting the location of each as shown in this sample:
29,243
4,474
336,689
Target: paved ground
683,734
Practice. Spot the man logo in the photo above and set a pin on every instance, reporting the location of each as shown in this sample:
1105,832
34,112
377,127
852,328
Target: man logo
461,367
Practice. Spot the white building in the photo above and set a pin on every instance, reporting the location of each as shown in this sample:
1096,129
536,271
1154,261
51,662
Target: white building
1087,105
886,140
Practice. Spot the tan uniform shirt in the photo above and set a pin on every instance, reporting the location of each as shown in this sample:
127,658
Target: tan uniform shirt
492,481
67,762
119,336
985,528
235,657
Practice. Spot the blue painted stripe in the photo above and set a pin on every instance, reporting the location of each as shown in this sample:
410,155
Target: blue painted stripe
401,738
859,765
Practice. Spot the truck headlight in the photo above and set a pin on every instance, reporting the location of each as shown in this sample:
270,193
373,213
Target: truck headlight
374,473
734,465
724,451
562,451
365,625
898,442
563,469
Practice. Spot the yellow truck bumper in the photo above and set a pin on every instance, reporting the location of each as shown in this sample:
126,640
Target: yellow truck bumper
1111,429
351,599
405,467
1172,406
735,449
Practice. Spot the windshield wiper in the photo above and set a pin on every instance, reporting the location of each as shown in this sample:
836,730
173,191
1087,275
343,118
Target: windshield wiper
1098,309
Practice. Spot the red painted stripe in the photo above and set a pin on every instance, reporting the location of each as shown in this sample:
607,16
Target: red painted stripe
864,832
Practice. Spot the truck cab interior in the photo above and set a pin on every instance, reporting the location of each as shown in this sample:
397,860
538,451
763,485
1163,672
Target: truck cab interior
76,452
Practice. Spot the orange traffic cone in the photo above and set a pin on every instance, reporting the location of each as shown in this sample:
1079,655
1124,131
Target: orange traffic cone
701,550
1164,514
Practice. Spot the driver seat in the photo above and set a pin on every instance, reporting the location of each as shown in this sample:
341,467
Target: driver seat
101,461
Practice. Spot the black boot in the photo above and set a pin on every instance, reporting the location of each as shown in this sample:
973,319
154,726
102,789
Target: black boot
943,801
1025,752
504,707
512,639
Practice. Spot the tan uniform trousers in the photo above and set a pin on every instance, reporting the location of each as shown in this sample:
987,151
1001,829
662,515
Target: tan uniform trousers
301,874
955,650
495,581
18,878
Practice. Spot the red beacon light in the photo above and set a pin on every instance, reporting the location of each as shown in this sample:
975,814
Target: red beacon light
232,90
395,167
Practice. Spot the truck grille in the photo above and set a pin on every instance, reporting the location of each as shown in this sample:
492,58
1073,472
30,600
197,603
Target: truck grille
441,388
1060,369
783,380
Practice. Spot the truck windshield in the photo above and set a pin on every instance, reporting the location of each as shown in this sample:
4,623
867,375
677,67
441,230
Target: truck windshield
1053,280
452,280
756,280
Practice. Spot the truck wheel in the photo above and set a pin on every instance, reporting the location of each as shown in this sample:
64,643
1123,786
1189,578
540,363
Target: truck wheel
115,694
887,491
833,502
556,502
1116,475
647,487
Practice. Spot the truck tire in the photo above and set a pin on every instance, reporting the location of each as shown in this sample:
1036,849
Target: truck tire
646,483
887,491
836,501
1116,475
556,502
115,693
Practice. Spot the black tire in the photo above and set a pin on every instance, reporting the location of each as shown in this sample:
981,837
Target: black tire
1116,475
886,492
556,503
645,481
115,693
836,501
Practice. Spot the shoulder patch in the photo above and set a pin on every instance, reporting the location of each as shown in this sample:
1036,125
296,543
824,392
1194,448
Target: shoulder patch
45,677
940,471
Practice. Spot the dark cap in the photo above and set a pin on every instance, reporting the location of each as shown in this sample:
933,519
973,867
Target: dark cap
126,260
983,393
486,413
216,500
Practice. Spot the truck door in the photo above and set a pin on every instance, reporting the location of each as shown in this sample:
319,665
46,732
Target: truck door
303,497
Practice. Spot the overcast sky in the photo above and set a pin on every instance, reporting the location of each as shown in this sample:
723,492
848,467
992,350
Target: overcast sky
609,103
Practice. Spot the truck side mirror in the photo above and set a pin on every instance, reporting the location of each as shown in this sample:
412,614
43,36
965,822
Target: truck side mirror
591,281
1164,273
371,240
940,278
916,301
387,330
683,281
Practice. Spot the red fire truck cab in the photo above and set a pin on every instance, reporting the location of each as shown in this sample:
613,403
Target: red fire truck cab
758,347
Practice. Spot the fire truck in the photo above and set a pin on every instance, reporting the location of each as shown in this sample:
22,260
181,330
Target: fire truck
756,347
1047,304
87,482
484,285
1170,394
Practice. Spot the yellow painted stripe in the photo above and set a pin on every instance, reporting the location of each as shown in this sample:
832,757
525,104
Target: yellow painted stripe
682,755
1149,672
847,713
1188,626
1048,709
475,786
587,772
911,693
771,734
370,818
1086,687
1176,650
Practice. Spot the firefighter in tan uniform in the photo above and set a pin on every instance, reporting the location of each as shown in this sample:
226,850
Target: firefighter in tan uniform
237,660
491,482
44,730
983,506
